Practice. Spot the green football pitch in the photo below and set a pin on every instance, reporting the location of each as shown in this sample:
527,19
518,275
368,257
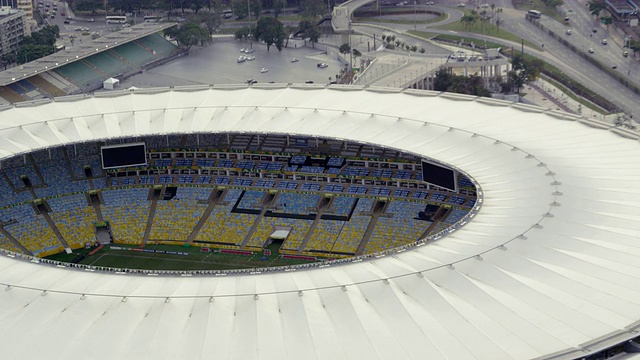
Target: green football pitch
189,258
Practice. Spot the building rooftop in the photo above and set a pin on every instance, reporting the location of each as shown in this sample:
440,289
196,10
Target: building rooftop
80,51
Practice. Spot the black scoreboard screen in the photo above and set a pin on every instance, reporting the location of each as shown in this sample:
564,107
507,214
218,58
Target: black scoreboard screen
115,156
439,175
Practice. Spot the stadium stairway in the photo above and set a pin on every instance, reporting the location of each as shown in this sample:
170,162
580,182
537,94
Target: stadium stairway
439,216
324,204
254,227
215,199
53,227
15,242
372,225
152,215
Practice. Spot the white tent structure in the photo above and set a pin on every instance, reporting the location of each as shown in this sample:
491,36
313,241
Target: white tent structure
549,267
110,83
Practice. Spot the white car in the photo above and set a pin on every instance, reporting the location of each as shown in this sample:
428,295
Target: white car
604,42
250,58
591,51
568,31
241,59
295,59
264,70
322,65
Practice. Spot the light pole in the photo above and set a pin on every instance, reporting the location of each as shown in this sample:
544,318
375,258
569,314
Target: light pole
249,19
415,14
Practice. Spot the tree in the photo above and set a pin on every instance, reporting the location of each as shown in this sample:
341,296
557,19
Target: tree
344,49
240,8
522,72
256,8
309,30
188,34
278,6
271,31
595,6
87,5
242,33
467,20
552,3
210,20
32,52
471,85
607,20
46,36
313,8
634,45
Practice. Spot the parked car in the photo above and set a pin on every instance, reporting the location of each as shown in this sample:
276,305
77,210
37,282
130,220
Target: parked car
604,42
322,65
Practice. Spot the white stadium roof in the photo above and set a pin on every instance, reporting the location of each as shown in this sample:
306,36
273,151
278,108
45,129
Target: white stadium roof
549,267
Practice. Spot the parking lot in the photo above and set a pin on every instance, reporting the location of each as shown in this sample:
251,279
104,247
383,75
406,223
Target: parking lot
218,64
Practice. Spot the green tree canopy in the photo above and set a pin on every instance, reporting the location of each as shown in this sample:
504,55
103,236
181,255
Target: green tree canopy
522,72
46,36
278,7
595,6
211,20
313,8
471,85
32,52
270,30
309,30
240,8
242,33
344,49
188,34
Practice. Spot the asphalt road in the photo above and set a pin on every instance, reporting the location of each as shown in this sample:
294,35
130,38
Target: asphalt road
576,66
581,24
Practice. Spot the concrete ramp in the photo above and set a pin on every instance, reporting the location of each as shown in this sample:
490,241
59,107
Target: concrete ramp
341,15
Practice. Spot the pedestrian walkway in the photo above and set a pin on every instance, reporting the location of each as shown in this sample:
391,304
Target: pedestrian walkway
545,94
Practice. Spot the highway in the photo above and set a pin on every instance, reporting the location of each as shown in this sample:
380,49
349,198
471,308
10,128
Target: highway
575,65
554,52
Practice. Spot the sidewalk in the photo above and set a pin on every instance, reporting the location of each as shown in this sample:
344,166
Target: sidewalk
543,93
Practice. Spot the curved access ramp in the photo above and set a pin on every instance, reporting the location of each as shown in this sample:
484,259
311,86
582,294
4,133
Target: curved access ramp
341,15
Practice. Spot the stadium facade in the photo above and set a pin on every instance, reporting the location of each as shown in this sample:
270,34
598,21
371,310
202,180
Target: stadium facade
547,267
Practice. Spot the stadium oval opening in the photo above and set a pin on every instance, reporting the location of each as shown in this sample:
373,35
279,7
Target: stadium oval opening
224,203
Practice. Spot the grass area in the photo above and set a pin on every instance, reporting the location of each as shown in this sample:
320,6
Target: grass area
572,88
487,29
422,34
539,5
391,21
367,17
188,258
556,77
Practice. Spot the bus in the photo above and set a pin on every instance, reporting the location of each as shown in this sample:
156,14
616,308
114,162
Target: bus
534,14
116,19
227,14
152,18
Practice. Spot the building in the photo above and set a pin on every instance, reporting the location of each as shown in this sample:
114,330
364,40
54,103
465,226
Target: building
12,29
27,7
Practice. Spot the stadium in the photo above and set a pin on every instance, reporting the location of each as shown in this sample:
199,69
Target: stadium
530,252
